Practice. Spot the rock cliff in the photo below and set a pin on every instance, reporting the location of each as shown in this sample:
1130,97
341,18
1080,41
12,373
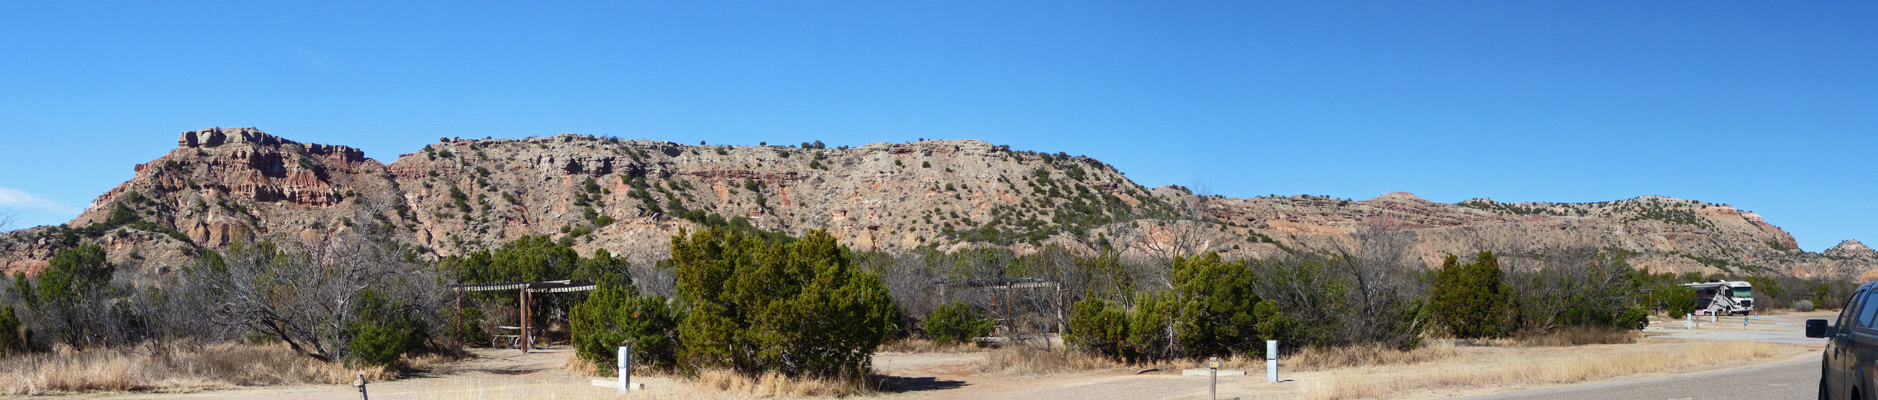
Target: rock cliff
221,186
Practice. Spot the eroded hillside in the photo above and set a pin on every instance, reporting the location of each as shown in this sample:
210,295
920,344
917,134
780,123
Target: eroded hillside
223,186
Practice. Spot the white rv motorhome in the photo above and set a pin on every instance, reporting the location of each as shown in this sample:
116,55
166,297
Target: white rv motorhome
1723,297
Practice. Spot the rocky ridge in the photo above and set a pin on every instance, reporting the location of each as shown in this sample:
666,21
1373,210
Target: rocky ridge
1850,249
221,186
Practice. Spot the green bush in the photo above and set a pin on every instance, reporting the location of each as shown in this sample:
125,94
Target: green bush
73,274
383,331
1215,307
797,308
375,344
71,291
613,316
12,341
1099,327
957,323
1470,299
1151,326
1677,300
1633,318
1273,324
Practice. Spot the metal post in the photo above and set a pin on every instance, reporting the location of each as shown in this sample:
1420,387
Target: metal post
361,384
1058,305
1689,321
625,368
524,323
1271,361
1212,367
458,331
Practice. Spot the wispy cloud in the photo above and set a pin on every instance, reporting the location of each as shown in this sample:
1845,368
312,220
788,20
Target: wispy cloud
18,199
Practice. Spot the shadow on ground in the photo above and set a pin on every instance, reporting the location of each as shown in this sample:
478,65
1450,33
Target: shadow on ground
903,384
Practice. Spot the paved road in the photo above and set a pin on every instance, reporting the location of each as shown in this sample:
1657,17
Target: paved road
1795,378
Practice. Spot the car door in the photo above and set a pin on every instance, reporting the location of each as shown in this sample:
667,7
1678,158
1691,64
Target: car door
1839,357
1864,350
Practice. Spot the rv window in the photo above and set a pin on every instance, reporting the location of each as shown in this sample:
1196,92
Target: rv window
1867,310
1741,293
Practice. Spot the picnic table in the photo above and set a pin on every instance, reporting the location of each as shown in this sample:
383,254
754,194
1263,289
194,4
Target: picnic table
511,336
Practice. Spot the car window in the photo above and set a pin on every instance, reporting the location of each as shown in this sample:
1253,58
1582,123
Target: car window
1866,310
1851,306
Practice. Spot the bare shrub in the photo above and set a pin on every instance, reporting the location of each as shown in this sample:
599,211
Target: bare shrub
1803,306
244,290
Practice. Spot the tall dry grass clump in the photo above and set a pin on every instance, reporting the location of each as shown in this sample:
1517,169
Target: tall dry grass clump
1578,336
1026,360
170,367
774,384
1322,358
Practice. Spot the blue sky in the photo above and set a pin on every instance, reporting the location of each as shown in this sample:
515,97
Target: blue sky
1768,106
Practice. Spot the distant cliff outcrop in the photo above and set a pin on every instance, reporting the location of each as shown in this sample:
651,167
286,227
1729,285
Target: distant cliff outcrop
221,186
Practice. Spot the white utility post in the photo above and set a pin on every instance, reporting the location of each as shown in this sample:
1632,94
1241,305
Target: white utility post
625,368
1271,361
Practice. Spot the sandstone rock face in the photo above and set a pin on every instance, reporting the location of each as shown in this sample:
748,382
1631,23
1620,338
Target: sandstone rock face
227,185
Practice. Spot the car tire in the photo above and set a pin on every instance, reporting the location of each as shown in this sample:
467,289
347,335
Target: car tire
1822,390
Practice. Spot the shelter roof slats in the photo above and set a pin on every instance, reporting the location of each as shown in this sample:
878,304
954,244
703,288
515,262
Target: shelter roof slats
573,288
561,286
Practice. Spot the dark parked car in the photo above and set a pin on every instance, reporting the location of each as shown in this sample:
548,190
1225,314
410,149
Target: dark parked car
1851,348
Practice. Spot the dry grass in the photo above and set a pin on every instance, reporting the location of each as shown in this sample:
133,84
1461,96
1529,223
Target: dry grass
1547,371
1340,387
173,367
583,367
1026,360
918,345
476,390
774,384
1578,336
1322,358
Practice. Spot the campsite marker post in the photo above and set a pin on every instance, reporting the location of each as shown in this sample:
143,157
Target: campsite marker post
1271,361
1212,365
